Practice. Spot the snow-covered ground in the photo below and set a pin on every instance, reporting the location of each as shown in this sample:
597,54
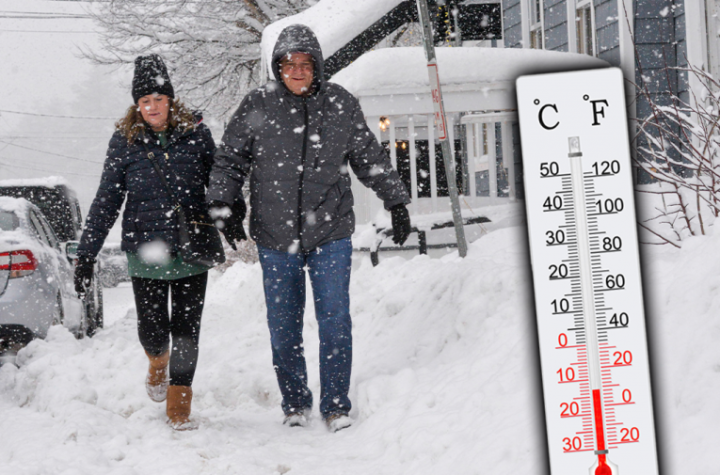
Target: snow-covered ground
445,376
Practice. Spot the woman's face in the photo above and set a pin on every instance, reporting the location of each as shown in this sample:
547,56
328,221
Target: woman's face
155,109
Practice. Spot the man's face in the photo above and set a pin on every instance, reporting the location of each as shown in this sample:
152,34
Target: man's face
296,70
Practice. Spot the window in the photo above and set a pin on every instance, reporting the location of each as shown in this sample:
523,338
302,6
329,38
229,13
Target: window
584,27
8,221
38,228
536,21
49,233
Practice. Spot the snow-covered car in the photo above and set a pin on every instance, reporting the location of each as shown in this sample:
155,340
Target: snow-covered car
113,265
59,204
36,278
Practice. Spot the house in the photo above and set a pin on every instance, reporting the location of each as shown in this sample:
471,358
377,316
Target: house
645,38
642,37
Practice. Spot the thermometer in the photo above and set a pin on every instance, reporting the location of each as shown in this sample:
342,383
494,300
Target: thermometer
586,273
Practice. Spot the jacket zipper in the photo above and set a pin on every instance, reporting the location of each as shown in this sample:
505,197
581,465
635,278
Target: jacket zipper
302,173
318,144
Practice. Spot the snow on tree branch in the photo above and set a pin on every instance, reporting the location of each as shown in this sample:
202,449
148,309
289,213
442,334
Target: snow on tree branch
678,146
212,47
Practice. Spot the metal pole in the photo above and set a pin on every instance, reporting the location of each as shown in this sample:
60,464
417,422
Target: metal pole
441,124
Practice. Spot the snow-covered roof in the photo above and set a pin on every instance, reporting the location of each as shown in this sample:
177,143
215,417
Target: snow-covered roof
335,23
404,70
46,182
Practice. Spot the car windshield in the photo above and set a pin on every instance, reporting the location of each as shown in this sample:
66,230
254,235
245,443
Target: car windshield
8,221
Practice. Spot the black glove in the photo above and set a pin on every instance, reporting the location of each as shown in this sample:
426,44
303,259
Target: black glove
83,275
400,223
231,226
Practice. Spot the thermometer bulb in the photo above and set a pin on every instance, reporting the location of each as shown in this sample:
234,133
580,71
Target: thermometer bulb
603,466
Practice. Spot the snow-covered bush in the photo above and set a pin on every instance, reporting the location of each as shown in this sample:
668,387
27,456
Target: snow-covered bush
678,147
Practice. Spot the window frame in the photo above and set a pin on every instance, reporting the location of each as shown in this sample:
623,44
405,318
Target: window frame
580,23
536,24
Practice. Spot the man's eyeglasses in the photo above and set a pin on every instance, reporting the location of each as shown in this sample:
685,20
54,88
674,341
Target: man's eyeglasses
304,67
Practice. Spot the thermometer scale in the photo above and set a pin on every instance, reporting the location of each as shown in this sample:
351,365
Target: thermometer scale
586,273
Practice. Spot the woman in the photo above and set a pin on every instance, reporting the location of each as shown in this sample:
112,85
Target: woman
156,124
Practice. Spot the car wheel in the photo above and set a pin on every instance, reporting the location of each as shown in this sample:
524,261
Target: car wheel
58,312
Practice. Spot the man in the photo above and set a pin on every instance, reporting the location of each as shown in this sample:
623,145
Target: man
295,138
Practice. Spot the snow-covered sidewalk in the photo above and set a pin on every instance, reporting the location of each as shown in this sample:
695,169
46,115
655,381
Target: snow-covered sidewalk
445,377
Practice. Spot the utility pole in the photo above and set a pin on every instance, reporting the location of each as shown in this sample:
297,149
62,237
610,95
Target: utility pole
441,124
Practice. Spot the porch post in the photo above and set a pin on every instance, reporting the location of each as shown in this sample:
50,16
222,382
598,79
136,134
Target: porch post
492,158
413,163
392,144
508,156
471,134
451,139
373,202
431,153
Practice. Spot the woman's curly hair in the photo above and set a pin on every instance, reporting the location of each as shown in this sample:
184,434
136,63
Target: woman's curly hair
133,124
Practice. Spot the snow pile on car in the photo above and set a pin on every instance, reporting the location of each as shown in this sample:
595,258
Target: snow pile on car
47,182
19,206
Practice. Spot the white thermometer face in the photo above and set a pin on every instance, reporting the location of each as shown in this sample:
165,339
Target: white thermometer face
586,273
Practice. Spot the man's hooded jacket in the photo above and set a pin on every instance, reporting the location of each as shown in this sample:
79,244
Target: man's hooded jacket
296,150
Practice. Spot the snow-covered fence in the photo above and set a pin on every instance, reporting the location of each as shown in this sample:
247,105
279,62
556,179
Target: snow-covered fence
412,144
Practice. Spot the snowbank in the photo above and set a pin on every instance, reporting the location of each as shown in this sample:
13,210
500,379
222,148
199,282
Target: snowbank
438,360
405,69
445,377
335,23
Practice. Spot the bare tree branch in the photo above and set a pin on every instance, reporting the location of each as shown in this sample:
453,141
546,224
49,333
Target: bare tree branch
211,47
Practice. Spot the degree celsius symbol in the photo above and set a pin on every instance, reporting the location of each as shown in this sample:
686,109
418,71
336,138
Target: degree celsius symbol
586,273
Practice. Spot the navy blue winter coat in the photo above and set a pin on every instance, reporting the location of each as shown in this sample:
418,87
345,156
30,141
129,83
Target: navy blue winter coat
187,159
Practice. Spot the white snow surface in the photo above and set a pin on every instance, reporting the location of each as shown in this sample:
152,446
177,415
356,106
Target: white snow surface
47,182
445,376
334,22
470,67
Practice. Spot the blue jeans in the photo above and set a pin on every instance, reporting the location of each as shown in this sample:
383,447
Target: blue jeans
284,283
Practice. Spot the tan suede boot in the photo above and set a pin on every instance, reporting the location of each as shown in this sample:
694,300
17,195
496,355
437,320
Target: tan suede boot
156,382
179,399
